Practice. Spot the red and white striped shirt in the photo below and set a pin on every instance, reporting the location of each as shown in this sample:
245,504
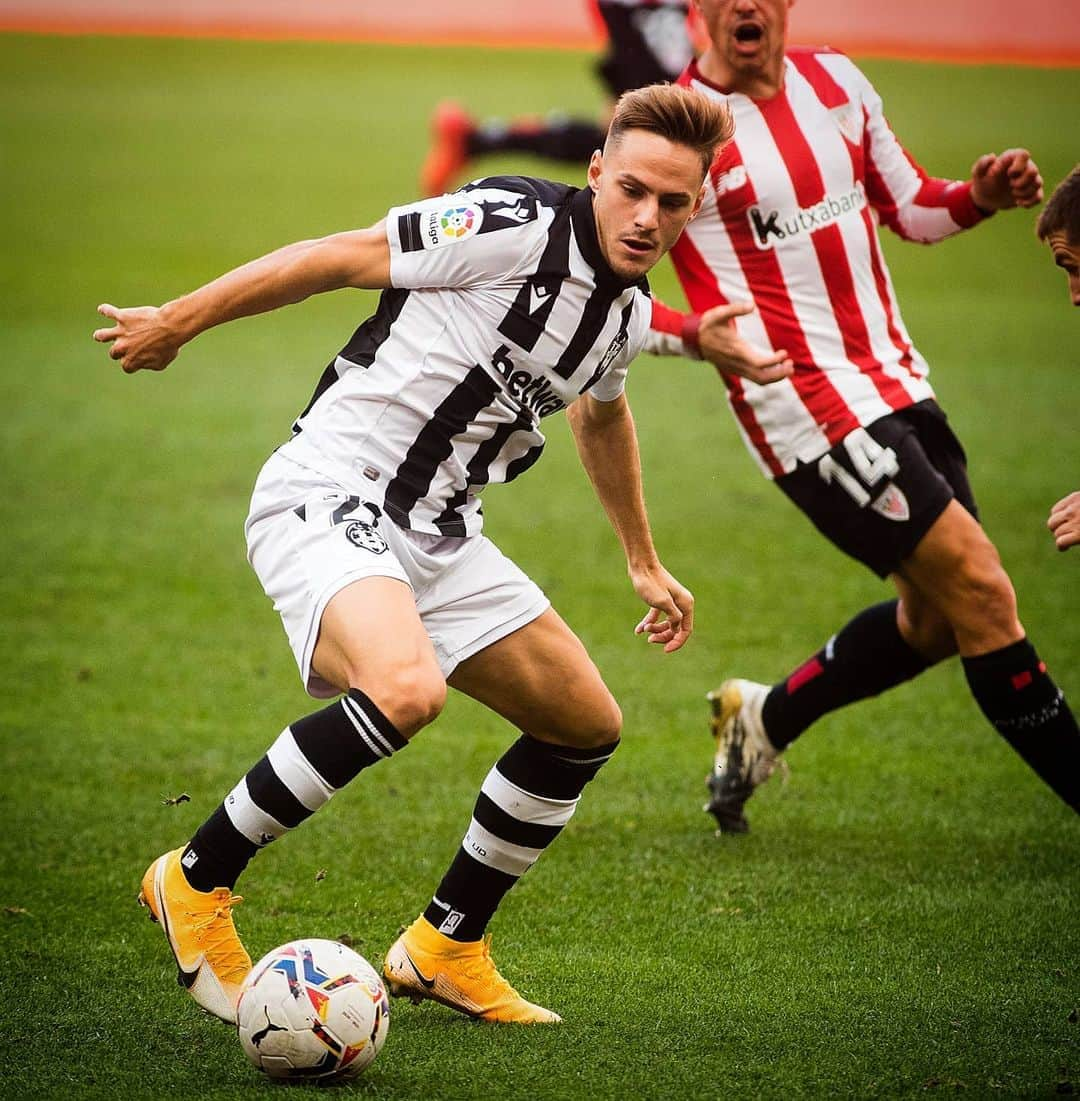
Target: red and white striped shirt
790,223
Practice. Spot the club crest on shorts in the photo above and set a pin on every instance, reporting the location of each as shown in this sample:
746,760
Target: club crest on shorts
364,535
892,504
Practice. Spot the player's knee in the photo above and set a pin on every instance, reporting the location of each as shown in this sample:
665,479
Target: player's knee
926,631
410,696
983,592
599,724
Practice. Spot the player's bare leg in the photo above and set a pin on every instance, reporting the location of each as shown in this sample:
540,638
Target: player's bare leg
921,625
958,570
541,679
883,646
373,647
371,637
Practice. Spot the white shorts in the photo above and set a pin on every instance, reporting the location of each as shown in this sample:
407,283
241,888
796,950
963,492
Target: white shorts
308,538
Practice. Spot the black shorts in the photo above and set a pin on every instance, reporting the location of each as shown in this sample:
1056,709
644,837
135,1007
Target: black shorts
878,491
647,45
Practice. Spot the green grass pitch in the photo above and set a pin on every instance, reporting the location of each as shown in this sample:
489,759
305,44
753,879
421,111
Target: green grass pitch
904,920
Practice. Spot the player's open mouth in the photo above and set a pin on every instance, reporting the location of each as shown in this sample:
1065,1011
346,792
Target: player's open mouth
639,248
749,34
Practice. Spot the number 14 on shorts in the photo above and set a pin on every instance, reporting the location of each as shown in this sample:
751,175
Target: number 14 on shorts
872,464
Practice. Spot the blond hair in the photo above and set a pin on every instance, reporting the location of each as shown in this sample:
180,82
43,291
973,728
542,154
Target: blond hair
683,116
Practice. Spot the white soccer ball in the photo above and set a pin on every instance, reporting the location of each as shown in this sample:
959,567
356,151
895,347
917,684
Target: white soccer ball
312,1009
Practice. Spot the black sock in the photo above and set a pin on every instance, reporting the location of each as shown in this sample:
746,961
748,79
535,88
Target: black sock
527,798
308,763
559,139
1027,708
868,656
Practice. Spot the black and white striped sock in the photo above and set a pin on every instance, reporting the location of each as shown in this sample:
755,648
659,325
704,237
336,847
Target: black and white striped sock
311,760
525,801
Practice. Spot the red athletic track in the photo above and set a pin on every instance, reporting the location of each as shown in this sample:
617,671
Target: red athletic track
1046,32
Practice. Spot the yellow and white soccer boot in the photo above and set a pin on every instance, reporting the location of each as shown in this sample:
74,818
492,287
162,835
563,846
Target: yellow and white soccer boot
211,962
745,758
423,963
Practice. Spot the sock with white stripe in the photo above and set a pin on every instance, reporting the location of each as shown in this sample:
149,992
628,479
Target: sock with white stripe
311,760
526,799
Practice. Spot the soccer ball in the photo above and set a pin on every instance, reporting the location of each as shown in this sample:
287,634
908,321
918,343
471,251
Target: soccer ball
312,1009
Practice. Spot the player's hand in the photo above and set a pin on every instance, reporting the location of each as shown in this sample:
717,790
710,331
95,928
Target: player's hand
670,619
999,182
722,346
140,339
1064,521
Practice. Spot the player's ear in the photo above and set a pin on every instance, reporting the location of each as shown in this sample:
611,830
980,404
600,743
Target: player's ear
596,169
697,202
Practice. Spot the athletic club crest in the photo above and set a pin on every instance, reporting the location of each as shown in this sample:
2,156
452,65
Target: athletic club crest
848,121
892,504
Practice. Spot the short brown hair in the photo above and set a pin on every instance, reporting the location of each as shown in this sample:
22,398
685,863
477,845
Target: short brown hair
1062,212
682,116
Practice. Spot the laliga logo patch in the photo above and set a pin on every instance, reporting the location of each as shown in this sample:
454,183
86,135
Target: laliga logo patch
453,224
457,222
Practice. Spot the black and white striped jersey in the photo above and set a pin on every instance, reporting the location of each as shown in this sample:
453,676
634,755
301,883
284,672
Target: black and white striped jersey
502,311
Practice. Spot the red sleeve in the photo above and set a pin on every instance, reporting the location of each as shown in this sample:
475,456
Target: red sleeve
665,319
672,332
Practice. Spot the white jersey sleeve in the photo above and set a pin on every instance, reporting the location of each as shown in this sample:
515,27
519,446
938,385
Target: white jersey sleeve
466,239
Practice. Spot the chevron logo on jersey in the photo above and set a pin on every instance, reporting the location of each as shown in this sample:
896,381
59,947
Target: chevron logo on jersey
499,214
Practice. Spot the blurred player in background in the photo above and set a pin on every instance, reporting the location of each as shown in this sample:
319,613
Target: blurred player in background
648,43
502,305
1059,227
854,437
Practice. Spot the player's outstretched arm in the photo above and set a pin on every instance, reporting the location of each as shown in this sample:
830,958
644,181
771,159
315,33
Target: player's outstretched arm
607,443
712,336
148,338
1064,521
1006,180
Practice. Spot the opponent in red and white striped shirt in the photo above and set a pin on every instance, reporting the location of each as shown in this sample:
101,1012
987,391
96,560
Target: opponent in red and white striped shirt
785,274
790,222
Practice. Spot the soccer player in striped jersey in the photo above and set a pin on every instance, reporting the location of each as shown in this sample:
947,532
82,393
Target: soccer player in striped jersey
648,43
854,436
502,304
1059,227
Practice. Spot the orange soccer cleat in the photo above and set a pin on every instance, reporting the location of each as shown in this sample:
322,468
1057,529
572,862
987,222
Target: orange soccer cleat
423,963
211,962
